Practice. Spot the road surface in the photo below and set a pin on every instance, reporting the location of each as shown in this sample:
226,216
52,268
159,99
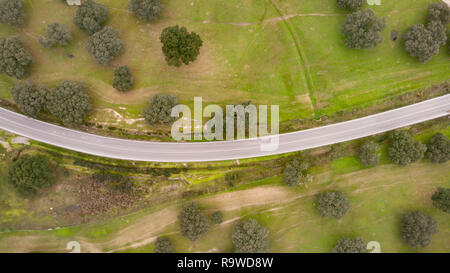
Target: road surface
221,150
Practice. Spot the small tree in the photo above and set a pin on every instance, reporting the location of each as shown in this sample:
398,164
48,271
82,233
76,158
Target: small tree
352,5
417,229
217,217
163,245
362,29
441,199
347,245
193,223
420,42
123,81
438,148
90,16
56,34
295,173
15,60
105,45
70,102
369,154
12,12
160,109
28,174
334,204
439,11
250,237
145,10
179,46
403,150
29,97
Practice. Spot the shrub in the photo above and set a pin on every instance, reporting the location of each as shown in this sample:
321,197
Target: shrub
347,245
334,204
28,174
90,16
29,97
105,45
441,199
160,109
439,11
403,150
217,217
15,60
362,29
163,245
420,43
369,154
145,10
123,81
250,237
193,223
56,34
417,228
295,173
438,148
12,12
70,102
179,46
352,5
116,182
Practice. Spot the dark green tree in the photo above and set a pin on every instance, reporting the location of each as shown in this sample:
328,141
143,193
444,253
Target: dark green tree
90,16
417,228
105,45
193,223
217,217
347,245
438,148
15,60
12,12
295,173
30,98
56,34
145,10
438,32
70,102
160,109
352,5
439,11
369,154
420,43
441,199
179,46
362,29
250,237
333,203
123,81
163,245
28,174
403,150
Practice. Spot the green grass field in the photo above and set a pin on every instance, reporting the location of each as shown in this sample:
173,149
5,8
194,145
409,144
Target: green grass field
377,201
271,52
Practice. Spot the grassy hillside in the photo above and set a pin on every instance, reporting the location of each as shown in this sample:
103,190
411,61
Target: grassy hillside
271,52
377,201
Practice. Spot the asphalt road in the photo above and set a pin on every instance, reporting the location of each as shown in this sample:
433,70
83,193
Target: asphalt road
221,150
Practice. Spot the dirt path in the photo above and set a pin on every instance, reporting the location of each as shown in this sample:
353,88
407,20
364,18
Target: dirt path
309,84
272,20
